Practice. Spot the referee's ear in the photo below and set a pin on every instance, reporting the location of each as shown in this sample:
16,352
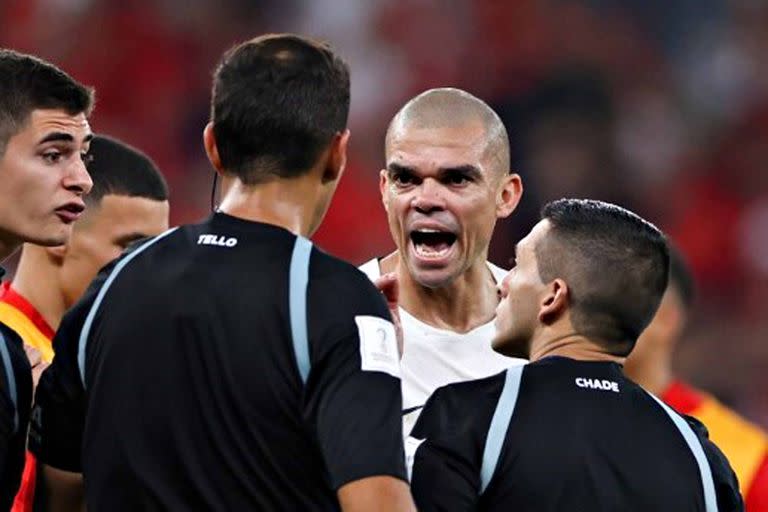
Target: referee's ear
337,157
209,141
554,303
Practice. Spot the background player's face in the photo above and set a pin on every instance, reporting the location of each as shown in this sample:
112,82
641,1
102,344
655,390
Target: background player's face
441,195
517,315
103,233
43,178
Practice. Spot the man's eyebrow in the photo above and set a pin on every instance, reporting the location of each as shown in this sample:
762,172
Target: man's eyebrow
57,136
395,168
467,169
64,137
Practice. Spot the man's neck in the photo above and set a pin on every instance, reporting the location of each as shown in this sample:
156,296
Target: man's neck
655,378
38,282
465,304
285,203
8,245
571,345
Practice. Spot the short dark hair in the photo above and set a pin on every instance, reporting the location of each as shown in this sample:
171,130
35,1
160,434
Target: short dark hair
119,169
277,101
615,263
29,83
681,277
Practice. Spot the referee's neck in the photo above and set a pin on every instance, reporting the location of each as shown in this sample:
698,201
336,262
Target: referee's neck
291,204
573,346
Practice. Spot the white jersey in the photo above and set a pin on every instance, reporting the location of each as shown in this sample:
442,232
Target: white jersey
435,357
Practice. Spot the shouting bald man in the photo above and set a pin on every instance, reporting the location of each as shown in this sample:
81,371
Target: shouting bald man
446,183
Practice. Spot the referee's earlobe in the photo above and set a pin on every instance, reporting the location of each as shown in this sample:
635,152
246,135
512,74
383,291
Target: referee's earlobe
211,149
337,157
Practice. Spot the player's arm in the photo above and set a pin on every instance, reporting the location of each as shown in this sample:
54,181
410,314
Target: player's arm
729,498
443,474
63,490
353,398
375,494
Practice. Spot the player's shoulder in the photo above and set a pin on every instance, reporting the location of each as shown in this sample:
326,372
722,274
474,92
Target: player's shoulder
718,417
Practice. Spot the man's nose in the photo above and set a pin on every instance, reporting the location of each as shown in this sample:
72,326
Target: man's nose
502,289
429,197
77,179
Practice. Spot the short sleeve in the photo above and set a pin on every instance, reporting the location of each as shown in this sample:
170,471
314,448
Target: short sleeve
726,484
58,415
353,401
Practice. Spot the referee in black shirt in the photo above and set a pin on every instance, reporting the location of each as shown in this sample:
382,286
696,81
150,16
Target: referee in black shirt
569,431
230,365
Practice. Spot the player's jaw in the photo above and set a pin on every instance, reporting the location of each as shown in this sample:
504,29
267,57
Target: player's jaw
54,227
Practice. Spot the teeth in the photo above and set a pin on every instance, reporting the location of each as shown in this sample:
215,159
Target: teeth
427,230
426,251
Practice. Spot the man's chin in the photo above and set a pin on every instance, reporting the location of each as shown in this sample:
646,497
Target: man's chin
433,277
52,238
510,347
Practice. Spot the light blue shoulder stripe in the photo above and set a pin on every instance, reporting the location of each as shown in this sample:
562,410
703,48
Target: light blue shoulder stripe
86,330
497,432
710,497
297,303
10,376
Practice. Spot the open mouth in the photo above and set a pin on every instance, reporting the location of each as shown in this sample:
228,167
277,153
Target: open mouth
432,243
70,212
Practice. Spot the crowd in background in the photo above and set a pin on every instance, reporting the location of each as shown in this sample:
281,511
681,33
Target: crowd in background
659,105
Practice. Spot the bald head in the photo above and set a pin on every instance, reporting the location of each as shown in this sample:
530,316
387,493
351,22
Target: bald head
447,107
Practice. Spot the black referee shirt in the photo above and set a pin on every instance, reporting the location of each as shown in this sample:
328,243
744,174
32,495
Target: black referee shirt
15,401
582,437
193,396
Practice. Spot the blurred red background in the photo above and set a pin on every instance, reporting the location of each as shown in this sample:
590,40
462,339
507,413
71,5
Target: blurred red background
659,105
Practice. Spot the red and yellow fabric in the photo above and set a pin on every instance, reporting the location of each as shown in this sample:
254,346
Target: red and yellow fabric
21,316
744,444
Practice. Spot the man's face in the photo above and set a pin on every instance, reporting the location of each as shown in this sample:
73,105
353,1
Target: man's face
103,233
517,315
442,199
43,178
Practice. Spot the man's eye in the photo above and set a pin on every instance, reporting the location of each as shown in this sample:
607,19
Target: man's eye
457,179
402,179
52,157
87,158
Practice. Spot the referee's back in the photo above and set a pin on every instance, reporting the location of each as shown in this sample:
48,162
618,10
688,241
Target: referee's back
568,431
582,437
195,399
230,365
